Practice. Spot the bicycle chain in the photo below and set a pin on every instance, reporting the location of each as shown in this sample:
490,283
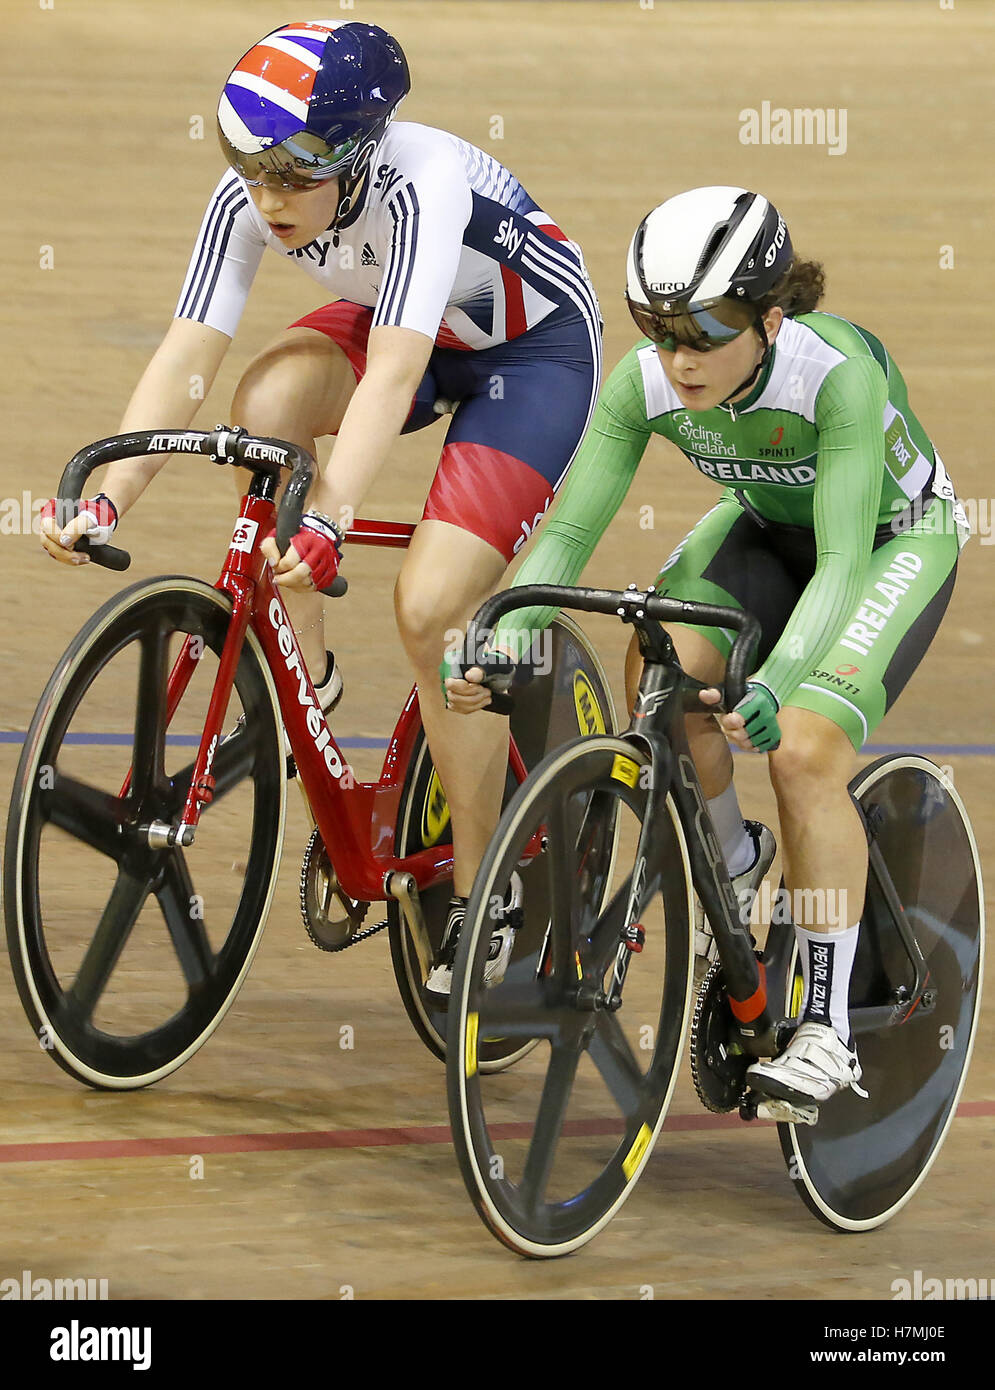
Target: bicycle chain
355,911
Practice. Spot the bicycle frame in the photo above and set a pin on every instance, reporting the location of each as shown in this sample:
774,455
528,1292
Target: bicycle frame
666,693
356,819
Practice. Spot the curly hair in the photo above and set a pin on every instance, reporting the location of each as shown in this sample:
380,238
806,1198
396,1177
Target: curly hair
798,291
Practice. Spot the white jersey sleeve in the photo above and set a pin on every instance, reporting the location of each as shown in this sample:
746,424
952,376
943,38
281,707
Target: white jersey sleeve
427,212
225,259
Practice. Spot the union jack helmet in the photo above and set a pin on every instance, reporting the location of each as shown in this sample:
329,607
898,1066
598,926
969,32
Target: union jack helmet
310,101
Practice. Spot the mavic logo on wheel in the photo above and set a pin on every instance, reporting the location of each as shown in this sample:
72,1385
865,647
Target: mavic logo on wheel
316,725
590,720
435,815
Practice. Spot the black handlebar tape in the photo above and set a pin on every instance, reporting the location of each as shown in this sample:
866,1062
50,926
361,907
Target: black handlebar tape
610,601
501,701
112,557
288,518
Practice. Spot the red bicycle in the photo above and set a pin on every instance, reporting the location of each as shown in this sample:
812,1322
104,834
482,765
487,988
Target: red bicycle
123,967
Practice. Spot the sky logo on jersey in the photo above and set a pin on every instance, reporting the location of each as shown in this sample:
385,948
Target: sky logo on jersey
508,236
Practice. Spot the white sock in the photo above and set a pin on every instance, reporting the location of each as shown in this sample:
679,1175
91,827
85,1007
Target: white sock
827,960
736,841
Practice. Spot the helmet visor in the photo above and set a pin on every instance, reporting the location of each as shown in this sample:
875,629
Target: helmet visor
701,327
302,162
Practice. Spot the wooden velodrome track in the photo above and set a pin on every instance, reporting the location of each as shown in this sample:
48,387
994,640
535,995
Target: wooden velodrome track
607,109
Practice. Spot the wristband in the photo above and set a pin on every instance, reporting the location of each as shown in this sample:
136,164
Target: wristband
327,524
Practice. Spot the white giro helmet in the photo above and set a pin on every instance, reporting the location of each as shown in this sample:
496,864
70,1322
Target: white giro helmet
699,262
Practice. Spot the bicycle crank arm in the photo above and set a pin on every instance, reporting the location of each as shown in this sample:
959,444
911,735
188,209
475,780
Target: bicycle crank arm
404,888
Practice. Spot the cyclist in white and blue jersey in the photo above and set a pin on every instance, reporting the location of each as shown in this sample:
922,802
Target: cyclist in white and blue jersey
452,291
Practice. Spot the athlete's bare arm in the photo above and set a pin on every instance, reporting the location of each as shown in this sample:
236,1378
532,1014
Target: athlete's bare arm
375,416
168,395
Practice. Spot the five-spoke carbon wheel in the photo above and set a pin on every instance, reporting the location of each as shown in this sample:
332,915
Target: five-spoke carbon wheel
127,956
550,1150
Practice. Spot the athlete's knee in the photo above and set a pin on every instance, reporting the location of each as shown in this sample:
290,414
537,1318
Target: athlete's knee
813,754
429,616
295,383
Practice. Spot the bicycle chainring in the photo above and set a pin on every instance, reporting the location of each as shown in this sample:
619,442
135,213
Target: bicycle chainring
331,918
718,1064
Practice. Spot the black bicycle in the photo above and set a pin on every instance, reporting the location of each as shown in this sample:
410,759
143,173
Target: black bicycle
602,969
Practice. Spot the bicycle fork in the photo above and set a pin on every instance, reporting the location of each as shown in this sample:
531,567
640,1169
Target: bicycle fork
660,703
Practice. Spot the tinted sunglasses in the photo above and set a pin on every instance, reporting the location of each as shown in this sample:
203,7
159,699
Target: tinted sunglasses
700,327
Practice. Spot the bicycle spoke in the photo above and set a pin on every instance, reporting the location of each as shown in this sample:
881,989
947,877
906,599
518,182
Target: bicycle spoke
549,1124
613,1057
180,906
234,761
150,714
523,1009
102,954
88,814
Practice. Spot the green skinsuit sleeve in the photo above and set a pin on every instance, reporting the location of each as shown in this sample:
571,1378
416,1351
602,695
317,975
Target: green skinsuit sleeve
596,485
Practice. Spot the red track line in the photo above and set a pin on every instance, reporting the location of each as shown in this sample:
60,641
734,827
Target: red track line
348,1138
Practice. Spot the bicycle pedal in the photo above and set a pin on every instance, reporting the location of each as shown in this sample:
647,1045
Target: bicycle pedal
784,1112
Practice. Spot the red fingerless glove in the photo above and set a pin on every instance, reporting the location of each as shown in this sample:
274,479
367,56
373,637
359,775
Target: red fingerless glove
319,545
101,514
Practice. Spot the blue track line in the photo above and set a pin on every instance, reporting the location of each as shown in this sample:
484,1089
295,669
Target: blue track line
941,750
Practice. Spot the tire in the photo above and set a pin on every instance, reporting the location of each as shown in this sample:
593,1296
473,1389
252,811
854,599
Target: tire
864,1159
550,1152
574,696
123,986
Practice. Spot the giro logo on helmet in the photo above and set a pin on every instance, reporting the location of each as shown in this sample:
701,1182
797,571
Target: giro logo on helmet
777,243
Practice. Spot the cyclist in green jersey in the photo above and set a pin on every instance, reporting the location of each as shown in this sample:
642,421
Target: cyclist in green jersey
838,528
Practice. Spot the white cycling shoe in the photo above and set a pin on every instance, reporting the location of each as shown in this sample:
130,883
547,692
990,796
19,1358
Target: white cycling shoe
745,886
440,977
815,1066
